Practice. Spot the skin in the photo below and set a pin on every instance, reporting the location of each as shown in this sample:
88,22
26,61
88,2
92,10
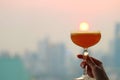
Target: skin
94,67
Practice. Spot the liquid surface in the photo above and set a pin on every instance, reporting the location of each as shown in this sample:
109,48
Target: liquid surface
85,39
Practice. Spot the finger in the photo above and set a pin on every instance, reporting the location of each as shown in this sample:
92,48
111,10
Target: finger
80,56
83,64
89,71
96,61
90,62
90,59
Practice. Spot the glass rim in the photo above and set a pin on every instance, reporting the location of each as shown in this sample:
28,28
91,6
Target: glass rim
85,32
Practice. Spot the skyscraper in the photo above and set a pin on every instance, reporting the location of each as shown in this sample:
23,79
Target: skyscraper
117,45
12,69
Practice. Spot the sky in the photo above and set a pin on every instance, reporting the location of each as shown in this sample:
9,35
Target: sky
24,22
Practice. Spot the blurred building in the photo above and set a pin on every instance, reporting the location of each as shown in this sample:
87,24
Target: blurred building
117,45
116,54
54,55
12,68
48,62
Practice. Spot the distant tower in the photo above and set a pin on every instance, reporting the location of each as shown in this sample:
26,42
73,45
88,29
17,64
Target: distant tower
12,69
117,45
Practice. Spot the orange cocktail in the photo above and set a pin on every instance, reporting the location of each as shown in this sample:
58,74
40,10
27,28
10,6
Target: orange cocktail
85,39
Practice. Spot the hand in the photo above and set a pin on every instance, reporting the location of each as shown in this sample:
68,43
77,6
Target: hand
94,67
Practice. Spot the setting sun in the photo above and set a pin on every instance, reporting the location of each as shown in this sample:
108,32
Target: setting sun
84,26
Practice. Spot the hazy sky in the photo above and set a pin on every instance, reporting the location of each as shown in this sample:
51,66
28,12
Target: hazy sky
24,22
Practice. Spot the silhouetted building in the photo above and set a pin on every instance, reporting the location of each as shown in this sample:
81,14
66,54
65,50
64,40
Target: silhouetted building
117,46
48,62
12,69
53,57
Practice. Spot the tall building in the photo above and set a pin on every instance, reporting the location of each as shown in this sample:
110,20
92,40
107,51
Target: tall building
53,57
48,62
117,45
12,69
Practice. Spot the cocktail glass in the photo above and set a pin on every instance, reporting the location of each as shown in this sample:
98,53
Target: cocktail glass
85,40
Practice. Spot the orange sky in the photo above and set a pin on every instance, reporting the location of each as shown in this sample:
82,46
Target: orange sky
24,22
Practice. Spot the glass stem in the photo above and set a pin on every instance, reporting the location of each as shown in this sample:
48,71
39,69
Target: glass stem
85,53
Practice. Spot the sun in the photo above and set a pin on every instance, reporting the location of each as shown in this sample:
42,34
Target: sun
84,26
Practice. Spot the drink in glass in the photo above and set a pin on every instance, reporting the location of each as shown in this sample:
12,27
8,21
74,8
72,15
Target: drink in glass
85,40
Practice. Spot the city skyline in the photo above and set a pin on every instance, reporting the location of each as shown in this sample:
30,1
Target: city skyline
55,61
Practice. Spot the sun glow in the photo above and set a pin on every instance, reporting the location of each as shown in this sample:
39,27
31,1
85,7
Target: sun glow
84,26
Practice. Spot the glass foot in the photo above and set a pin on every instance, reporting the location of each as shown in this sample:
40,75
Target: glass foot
84,77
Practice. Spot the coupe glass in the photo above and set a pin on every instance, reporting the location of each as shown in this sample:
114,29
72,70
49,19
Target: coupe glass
85,40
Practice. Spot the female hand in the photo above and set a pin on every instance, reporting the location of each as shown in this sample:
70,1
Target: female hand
94,67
